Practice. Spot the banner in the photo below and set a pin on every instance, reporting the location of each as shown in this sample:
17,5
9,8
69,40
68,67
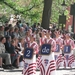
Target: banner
67,49
45,49
57,48
46,63
28,53
29,62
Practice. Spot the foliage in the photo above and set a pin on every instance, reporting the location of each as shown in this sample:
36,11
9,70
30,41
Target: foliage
31,10
3,19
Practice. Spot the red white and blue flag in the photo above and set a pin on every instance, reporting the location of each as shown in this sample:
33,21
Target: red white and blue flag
60,59
51,68
71,60
29,69
40,65
46,61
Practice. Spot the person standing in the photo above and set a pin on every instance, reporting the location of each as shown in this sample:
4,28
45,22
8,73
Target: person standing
30,65
46,63
60,59
69,42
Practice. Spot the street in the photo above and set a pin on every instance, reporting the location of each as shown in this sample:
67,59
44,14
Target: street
19,72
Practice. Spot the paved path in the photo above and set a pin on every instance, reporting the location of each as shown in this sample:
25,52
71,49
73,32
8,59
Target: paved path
19,72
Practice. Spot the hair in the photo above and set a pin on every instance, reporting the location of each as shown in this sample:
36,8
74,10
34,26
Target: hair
16,29
12,41
2,38
11,29
0,27
15,39
20,39
10,25
7,38
6,28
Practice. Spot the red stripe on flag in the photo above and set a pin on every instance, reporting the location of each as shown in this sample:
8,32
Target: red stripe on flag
26,72
42,69
71,60
51,67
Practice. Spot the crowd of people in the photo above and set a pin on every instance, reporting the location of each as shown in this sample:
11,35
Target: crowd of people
13,41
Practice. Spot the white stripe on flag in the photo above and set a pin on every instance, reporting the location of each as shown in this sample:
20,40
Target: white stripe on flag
51,67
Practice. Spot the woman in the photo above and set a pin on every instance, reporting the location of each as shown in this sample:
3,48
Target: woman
46,63
21,45
31,63
14,55
70,62
60,58
42,37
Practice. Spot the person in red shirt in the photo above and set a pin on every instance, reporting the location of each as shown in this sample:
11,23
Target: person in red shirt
60,59
69,42
30,65
46,63
43,37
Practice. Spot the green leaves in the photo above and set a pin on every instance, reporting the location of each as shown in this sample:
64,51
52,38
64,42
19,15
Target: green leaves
32,9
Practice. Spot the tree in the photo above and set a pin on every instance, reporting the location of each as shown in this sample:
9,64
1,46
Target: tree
27,8
46,14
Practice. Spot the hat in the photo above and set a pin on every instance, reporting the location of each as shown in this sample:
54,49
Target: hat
32,35
57,32
44,30
68,34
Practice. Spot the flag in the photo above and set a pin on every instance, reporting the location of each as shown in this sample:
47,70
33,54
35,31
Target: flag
60,59
30,69
40,65
46,61
51,67
71,60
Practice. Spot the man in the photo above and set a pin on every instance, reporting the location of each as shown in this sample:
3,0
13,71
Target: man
16,33
4,55
21,32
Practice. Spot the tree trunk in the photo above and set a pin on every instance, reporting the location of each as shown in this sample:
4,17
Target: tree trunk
46,14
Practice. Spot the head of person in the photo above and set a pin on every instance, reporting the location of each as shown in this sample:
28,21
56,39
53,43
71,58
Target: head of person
16,40
11,29
8,38
21,29
57,32
48,33
67,35
13,43
1,28
30,31
6,29
16,30
2,39
32,38
21,40
43,32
